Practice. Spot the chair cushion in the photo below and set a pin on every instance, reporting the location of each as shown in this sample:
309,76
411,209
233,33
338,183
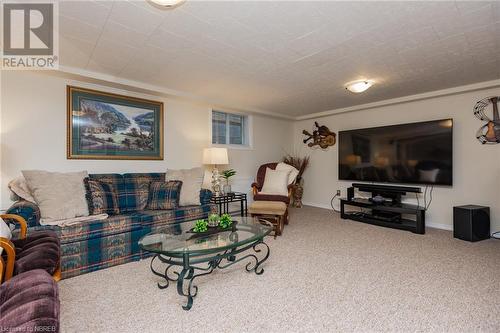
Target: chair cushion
293,172
276,182
102,197
164,195
268,208
29,302
40,250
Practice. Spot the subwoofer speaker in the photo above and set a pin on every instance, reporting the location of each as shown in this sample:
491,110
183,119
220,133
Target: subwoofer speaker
471,222
350,193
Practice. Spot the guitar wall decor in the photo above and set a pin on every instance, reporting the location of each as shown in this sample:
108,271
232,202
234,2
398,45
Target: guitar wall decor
489,133
321,136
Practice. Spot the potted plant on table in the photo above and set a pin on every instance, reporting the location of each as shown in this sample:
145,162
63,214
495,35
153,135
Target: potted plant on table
301,164
226,174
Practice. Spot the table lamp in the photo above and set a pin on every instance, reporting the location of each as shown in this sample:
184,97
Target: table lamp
215,156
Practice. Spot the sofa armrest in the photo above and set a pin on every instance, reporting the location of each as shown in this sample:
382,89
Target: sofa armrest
27,210
205,196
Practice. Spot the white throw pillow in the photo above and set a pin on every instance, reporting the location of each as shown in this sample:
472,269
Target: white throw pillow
4,232
192,180
276,182
293,172
21,189
59,195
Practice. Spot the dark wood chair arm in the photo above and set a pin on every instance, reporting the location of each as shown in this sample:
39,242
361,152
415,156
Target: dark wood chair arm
9,248
256,188
17,219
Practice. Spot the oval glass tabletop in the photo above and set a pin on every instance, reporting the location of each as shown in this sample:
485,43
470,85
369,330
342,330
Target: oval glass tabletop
179,239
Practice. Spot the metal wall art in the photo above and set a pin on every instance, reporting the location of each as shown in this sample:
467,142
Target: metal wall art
321,136
489,133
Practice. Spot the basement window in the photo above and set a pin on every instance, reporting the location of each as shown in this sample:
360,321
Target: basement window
230,129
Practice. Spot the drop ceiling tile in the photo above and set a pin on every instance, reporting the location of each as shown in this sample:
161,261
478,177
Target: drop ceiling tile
111,55
74,52
74,28
123,35
91,12
135,17
169,42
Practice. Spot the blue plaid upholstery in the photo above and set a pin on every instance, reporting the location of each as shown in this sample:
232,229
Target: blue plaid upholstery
96,245
164,195
101,197
28,210
132,188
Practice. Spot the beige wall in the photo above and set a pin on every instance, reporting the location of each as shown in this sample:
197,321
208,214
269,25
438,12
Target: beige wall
476,174
33,133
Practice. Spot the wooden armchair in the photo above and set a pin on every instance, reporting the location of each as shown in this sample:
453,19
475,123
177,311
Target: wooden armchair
259,182
41,245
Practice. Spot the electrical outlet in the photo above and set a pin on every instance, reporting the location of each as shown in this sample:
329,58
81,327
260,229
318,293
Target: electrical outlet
338,192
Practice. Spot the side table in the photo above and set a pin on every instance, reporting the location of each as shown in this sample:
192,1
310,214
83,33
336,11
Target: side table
222,201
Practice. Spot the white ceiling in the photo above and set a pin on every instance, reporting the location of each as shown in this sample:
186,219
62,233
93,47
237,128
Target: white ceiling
286,57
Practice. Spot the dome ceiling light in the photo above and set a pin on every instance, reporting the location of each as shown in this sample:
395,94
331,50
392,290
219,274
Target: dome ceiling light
359,86
166,3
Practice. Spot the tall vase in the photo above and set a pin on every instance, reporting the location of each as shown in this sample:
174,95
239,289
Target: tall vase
298,191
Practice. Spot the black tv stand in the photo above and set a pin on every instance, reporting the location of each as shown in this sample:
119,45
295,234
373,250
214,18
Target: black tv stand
389,213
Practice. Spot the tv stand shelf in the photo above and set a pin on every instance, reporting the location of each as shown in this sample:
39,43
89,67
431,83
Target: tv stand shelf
385,214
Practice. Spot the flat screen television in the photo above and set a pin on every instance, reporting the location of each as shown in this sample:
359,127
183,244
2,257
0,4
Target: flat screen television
416,153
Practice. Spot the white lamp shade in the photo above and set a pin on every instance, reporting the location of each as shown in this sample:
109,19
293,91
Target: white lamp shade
213,156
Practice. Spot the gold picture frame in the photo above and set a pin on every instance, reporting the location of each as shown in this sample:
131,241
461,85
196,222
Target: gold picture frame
108,126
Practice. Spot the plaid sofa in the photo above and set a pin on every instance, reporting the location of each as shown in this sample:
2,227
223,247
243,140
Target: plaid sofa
91,246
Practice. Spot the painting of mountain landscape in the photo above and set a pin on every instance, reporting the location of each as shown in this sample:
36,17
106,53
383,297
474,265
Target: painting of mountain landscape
114,126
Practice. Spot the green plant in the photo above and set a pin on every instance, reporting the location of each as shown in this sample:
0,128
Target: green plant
200,226
213,220
225,221
226,174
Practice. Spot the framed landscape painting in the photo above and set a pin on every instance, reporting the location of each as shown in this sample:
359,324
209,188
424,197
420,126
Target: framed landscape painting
110,126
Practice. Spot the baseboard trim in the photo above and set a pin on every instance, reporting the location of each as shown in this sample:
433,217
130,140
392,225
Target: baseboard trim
427,224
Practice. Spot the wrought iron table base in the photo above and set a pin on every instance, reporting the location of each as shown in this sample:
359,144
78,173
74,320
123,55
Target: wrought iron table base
190,264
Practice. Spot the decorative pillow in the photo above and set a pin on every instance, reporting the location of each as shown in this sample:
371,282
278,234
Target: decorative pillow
293,172
276,182
164,195
5,232
102,198
19,187
58,195
192,180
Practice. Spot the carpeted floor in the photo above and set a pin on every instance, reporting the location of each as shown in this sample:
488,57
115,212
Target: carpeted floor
324,274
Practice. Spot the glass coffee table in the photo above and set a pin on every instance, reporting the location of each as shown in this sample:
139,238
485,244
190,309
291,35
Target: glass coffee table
188,255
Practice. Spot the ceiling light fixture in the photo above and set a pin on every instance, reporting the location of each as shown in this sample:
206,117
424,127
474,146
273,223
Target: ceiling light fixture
167,3
359,86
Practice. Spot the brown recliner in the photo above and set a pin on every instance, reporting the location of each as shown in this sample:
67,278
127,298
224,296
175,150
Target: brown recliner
37,250
259,182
